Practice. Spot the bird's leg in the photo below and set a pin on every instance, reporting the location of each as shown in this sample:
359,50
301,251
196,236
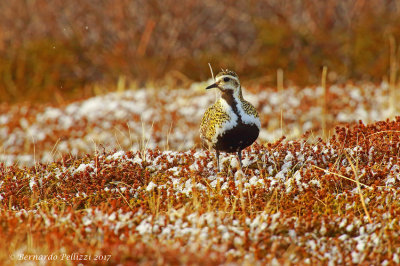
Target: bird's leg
217,155
239,153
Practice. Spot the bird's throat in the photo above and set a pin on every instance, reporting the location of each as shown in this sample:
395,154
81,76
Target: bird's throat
232,101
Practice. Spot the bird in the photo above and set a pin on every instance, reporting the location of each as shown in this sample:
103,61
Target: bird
231,124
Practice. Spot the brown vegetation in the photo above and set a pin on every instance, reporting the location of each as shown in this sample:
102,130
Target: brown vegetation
122,177
296,202
59,50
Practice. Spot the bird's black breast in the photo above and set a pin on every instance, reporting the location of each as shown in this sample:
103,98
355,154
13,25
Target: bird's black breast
241,135
237,138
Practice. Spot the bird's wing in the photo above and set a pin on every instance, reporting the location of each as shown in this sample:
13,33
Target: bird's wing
249,109
213,118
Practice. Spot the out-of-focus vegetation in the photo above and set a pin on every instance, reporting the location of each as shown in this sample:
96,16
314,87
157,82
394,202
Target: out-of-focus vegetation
59,50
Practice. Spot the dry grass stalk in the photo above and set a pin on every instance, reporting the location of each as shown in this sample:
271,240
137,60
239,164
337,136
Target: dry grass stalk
324,116
393,75
357,177
279,79
341,176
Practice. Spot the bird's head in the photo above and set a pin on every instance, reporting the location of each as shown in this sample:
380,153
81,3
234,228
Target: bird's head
227,81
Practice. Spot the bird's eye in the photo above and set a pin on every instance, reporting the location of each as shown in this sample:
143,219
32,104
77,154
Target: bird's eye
226,79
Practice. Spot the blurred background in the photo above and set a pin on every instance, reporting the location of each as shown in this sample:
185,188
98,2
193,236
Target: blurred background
58,51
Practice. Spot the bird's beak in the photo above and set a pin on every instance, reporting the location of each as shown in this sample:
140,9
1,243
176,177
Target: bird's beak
215,85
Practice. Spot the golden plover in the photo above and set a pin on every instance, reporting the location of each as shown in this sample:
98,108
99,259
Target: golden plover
232,123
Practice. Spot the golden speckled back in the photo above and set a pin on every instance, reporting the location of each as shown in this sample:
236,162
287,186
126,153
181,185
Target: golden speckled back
213,117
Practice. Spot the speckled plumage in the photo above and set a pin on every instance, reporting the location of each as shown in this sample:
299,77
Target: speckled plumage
214,117
232,123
